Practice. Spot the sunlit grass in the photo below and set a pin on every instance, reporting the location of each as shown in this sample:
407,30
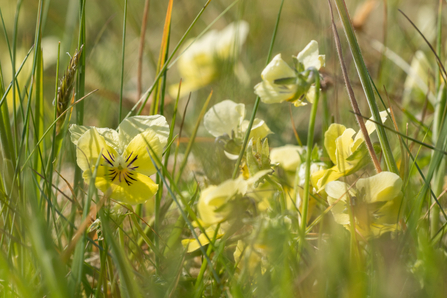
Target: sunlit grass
222,149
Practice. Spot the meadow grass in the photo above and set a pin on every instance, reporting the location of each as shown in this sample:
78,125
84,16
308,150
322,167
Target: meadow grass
235,205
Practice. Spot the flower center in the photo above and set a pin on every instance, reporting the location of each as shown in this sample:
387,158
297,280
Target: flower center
121,168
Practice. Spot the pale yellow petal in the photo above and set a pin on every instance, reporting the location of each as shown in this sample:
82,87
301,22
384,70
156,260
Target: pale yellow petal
212,204
277,69
259,130
193,245
137,151
274,93
334,131
287,156
338,196
310,57
384,186
89,147
132,126
76,131
224,117
343,144
321,178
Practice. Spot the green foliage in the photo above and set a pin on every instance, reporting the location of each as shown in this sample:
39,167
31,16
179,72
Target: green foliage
230,218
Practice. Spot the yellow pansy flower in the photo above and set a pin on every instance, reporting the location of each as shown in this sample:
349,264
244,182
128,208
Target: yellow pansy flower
199,64
347,153
125,165
281,83
374,203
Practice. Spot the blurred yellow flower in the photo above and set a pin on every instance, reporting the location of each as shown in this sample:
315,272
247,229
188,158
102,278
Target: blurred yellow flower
288,157
281,83
204,238
348,154
213,204
251,256
125,165
199,63
374,203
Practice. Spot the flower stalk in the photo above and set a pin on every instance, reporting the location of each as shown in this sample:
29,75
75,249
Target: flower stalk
258,99
366,83
310,141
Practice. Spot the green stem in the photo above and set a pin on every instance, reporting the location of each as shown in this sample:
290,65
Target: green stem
439,113
123,49
366,84
310,141
258,99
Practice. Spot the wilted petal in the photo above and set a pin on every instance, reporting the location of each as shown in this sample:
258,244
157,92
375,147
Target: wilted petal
224,117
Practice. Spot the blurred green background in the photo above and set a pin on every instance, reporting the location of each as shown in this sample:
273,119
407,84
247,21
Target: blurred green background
301,22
